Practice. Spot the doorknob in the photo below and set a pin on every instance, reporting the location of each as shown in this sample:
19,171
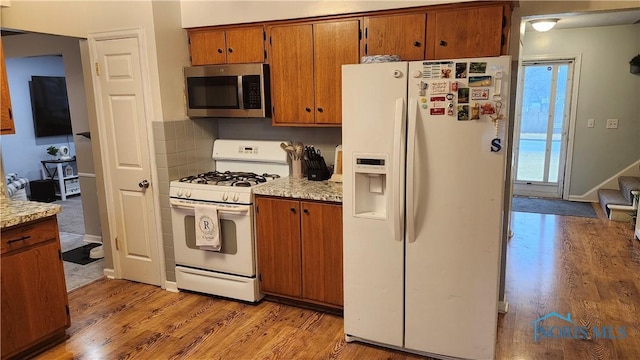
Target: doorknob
143,184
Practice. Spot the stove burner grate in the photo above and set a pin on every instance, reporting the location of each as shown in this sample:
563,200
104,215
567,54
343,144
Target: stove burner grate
229,178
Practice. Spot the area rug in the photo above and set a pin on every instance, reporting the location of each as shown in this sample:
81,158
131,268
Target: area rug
71,218
80,255
553,207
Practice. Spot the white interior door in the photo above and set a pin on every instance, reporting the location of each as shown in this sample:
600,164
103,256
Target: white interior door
543,122
122,119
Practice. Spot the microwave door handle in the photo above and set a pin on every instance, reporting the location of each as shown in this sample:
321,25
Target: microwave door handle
240,95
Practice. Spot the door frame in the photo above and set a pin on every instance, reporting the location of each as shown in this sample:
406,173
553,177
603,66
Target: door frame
571,126
138,34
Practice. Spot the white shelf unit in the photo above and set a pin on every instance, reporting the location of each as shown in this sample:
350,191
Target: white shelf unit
66,185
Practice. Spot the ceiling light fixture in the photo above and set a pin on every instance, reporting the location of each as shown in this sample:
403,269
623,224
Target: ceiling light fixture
544,24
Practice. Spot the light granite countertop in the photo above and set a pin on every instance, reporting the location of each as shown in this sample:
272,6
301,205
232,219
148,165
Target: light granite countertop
16,212
302,189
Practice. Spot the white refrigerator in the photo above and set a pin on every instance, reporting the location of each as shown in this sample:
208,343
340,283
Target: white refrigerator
424,184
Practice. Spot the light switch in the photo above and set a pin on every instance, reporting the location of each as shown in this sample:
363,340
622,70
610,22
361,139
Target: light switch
612,123
591,123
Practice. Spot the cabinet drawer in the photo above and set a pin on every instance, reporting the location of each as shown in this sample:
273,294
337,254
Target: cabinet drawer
21,236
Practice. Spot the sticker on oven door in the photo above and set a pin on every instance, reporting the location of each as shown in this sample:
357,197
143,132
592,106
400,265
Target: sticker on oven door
436,111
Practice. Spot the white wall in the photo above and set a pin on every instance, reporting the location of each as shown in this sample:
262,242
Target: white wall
607,91
22,150
206,13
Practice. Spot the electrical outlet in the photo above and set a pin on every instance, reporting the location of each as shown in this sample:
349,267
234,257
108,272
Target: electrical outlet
591,123
612,123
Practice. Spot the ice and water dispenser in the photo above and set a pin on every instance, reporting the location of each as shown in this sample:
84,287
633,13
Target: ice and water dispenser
371,175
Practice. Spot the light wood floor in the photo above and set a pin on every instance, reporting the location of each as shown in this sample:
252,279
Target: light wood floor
587,267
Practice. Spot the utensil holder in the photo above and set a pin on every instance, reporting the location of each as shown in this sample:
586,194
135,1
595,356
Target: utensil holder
296,169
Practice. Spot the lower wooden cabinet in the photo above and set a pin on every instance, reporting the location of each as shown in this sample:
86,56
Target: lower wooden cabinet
300,249
34,294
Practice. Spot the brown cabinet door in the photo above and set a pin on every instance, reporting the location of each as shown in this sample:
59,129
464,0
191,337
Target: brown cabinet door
291,61
402,35
6,119
322,252
334,44
278,241
475,32
245,45
34,296
207,47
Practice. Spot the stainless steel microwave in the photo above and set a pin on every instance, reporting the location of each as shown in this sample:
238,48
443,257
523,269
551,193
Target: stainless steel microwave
237,90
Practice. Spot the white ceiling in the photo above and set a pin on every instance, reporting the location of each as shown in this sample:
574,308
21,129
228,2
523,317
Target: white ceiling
573,21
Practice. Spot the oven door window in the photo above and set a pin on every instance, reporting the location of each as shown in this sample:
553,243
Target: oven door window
228,235
214,92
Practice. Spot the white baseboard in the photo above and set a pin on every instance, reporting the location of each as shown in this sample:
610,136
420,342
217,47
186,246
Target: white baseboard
109,273
92,239
610,183
171,286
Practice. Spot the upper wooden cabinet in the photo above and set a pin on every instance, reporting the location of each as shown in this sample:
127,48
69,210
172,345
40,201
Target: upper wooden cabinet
229,46
467,32
306,66
402,35
6,119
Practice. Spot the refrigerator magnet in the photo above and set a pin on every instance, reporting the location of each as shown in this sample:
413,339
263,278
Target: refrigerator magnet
454,86
439,87
463,95
480,94
479,81
450,110
461,70
463,112
436,111
449,96
477,68
487,109
475,111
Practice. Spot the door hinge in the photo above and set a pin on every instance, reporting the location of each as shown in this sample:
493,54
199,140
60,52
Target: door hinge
504,21
67,309
502,40
366,33
265,54
273,110
260,277
117,244
359,34
270,41
257,209
365,49
264,35
97,69
60,254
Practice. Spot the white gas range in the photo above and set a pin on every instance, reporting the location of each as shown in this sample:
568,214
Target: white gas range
230,272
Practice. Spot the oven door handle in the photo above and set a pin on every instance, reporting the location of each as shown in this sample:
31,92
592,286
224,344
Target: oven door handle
220,209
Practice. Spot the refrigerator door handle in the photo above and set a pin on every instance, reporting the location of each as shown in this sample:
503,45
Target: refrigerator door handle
411,156
398,145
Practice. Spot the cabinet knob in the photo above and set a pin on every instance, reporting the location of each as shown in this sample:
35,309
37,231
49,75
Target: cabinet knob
307,109
230,50
320,109
416,43
219,51
293,210
443,43
306,211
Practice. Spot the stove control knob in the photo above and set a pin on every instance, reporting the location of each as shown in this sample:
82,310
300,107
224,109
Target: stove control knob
225,197
179,193
187,193
236,197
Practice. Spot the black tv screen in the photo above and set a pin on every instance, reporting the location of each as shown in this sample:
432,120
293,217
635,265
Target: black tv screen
50,106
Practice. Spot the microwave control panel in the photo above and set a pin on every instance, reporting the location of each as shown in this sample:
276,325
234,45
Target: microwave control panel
251,92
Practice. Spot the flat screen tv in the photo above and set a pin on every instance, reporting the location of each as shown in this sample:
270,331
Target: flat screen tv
50,106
